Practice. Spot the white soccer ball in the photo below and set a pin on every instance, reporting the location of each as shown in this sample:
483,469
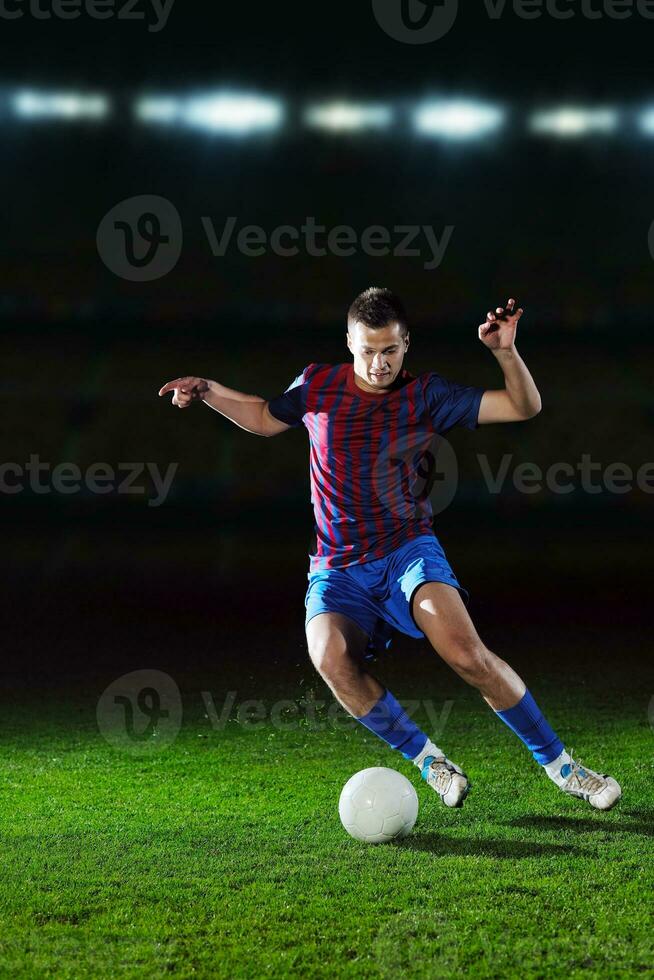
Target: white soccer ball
378,805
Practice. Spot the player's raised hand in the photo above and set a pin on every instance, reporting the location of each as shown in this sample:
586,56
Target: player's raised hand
499,329
186,391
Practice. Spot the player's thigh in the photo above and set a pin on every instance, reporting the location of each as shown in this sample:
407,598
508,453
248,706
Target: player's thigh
439,611
333,638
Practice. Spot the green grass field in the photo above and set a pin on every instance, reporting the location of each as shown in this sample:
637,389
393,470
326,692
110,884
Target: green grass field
223,856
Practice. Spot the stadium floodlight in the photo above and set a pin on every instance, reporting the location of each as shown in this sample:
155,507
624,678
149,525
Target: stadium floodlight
571,121
59,105
455,120
157,109
348,117
231,114
646,122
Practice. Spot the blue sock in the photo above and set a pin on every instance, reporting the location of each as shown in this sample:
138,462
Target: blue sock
390,722
527,721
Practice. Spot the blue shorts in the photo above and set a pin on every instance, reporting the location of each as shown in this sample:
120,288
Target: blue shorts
377,594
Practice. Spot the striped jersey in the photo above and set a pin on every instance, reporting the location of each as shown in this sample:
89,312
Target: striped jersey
372,456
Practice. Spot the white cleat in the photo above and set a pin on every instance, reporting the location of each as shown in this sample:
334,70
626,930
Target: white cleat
450,782
600,790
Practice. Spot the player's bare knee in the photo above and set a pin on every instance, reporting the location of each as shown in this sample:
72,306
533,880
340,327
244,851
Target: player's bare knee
473,662
329,656
337,673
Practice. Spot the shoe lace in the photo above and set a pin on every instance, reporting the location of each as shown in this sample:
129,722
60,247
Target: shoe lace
587,780
441,776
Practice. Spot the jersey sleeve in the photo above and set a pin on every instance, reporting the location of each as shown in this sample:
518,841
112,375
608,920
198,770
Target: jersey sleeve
450,404
290,406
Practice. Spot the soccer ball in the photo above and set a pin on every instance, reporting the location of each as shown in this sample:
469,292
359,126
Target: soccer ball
378,805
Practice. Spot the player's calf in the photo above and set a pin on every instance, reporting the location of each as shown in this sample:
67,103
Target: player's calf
528,722
331,638
388,720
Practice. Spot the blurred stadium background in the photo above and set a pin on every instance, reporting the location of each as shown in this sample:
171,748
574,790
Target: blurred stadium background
533,140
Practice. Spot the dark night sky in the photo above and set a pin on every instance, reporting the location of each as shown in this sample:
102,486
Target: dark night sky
294,48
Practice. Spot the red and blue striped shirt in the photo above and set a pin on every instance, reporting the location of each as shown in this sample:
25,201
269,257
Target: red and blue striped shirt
368,455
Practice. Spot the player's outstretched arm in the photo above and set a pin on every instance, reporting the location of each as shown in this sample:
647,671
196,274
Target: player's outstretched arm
520,399
249,412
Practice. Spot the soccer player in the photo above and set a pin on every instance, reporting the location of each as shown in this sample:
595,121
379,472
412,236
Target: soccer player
378,565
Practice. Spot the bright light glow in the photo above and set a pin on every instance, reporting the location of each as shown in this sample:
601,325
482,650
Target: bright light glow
157,110
570,121
237,115
339,117
59,105
457,120
646,122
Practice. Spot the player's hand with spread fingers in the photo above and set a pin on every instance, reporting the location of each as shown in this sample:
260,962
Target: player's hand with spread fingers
498,331
186,390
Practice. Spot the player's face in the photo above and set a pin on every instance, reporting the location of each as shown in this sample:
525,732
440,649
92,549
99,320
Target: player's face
378,354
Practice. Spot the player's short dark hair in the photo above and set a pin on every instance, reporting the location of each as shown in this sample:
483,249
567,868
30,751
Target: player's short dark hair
376,308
